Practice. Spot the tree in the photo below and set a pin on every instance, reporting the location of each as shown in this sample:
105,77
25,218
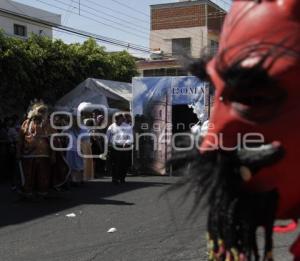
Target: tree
46,69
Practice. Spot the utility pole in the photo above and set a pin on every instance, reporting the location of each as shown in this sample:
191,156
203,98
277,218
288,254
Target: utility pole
79,6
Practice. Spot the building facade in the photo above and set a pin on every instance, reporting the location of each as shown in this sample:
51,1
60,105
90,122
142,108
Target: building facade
186,27
21,20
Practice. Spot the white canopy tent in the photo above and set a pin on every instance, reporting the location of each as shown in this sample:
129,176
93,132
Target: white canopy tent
111,94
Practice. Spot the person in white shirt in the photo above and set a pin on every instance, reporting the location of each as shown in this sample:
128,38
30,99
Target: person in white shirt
120,141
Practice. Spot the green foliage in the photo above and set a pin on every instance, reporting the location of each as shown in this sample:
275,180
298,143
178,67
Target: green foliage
46,69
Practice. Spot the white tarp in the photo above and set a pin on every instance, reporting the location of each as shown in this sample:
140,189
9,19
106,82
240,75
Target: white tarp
96,91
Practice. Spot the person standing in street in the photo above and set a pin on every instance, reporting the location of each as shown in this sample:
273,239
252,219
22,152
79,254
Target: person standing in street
35,152
98,144
120,141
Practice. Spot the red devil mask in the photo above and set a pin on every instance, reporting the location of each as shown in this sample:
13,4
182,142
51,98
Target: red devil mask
256,75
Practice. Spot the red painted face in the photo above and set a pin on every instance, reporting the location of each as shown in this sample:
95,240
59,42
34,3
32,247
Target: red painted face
256,74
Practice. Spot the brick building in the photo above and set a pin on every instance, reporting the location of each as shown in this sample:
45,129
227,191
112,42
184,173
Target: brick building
184,26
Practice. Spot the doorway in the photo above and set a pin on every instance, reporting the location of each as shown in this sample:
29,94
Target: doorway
183,118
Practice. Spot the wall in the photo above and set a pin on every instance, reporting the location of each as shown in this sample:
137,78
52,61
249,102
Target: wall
177,15
7,24
7,21
162,39
215,19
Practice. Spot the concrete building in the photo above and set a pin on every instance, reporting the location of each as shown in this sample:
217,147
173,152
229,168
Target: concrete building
33,20
181,27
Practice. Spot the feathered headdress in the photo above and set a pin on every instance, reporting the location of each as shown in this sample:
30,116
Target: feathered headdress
36,108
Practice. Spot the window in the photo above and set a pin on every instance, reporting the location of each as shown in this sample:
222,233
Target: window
164,72
181,45
171,72
214,45
20,30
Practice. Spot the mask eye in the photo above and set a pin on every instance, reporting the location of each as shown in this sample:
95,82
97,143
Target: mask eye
251,92
258,104
253,98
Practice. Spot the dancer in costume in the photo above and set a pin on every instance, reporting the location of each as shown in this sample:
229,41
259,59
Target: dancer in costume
247,165
35,152
41,166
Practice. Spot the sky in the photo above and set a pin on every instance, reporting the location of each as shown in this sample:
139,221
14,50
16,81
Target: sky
125,20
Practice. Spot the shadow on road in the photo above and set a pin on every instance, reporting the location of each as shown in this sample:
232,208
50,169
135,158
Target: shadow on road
14,211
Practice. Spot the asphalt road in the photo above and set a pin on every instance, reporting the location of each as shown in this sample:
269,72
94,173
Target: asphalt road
149,228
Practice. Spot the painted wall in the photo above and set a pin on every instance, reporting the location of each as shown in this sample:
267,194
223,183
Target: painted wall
163,39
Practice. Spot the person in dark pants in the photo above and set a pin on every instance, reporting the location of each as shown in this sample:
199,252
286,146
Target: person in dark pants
120,140
98,143
119,166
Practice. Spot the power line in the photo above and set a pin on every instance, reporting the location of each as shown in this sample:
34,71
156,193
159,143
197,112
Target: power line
92,19
100,38
147,15
159,39
133,9
110,26
110,20
218,14
87,17
126,21
85,37
68,13
107,19
130,8
214,15
117,11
